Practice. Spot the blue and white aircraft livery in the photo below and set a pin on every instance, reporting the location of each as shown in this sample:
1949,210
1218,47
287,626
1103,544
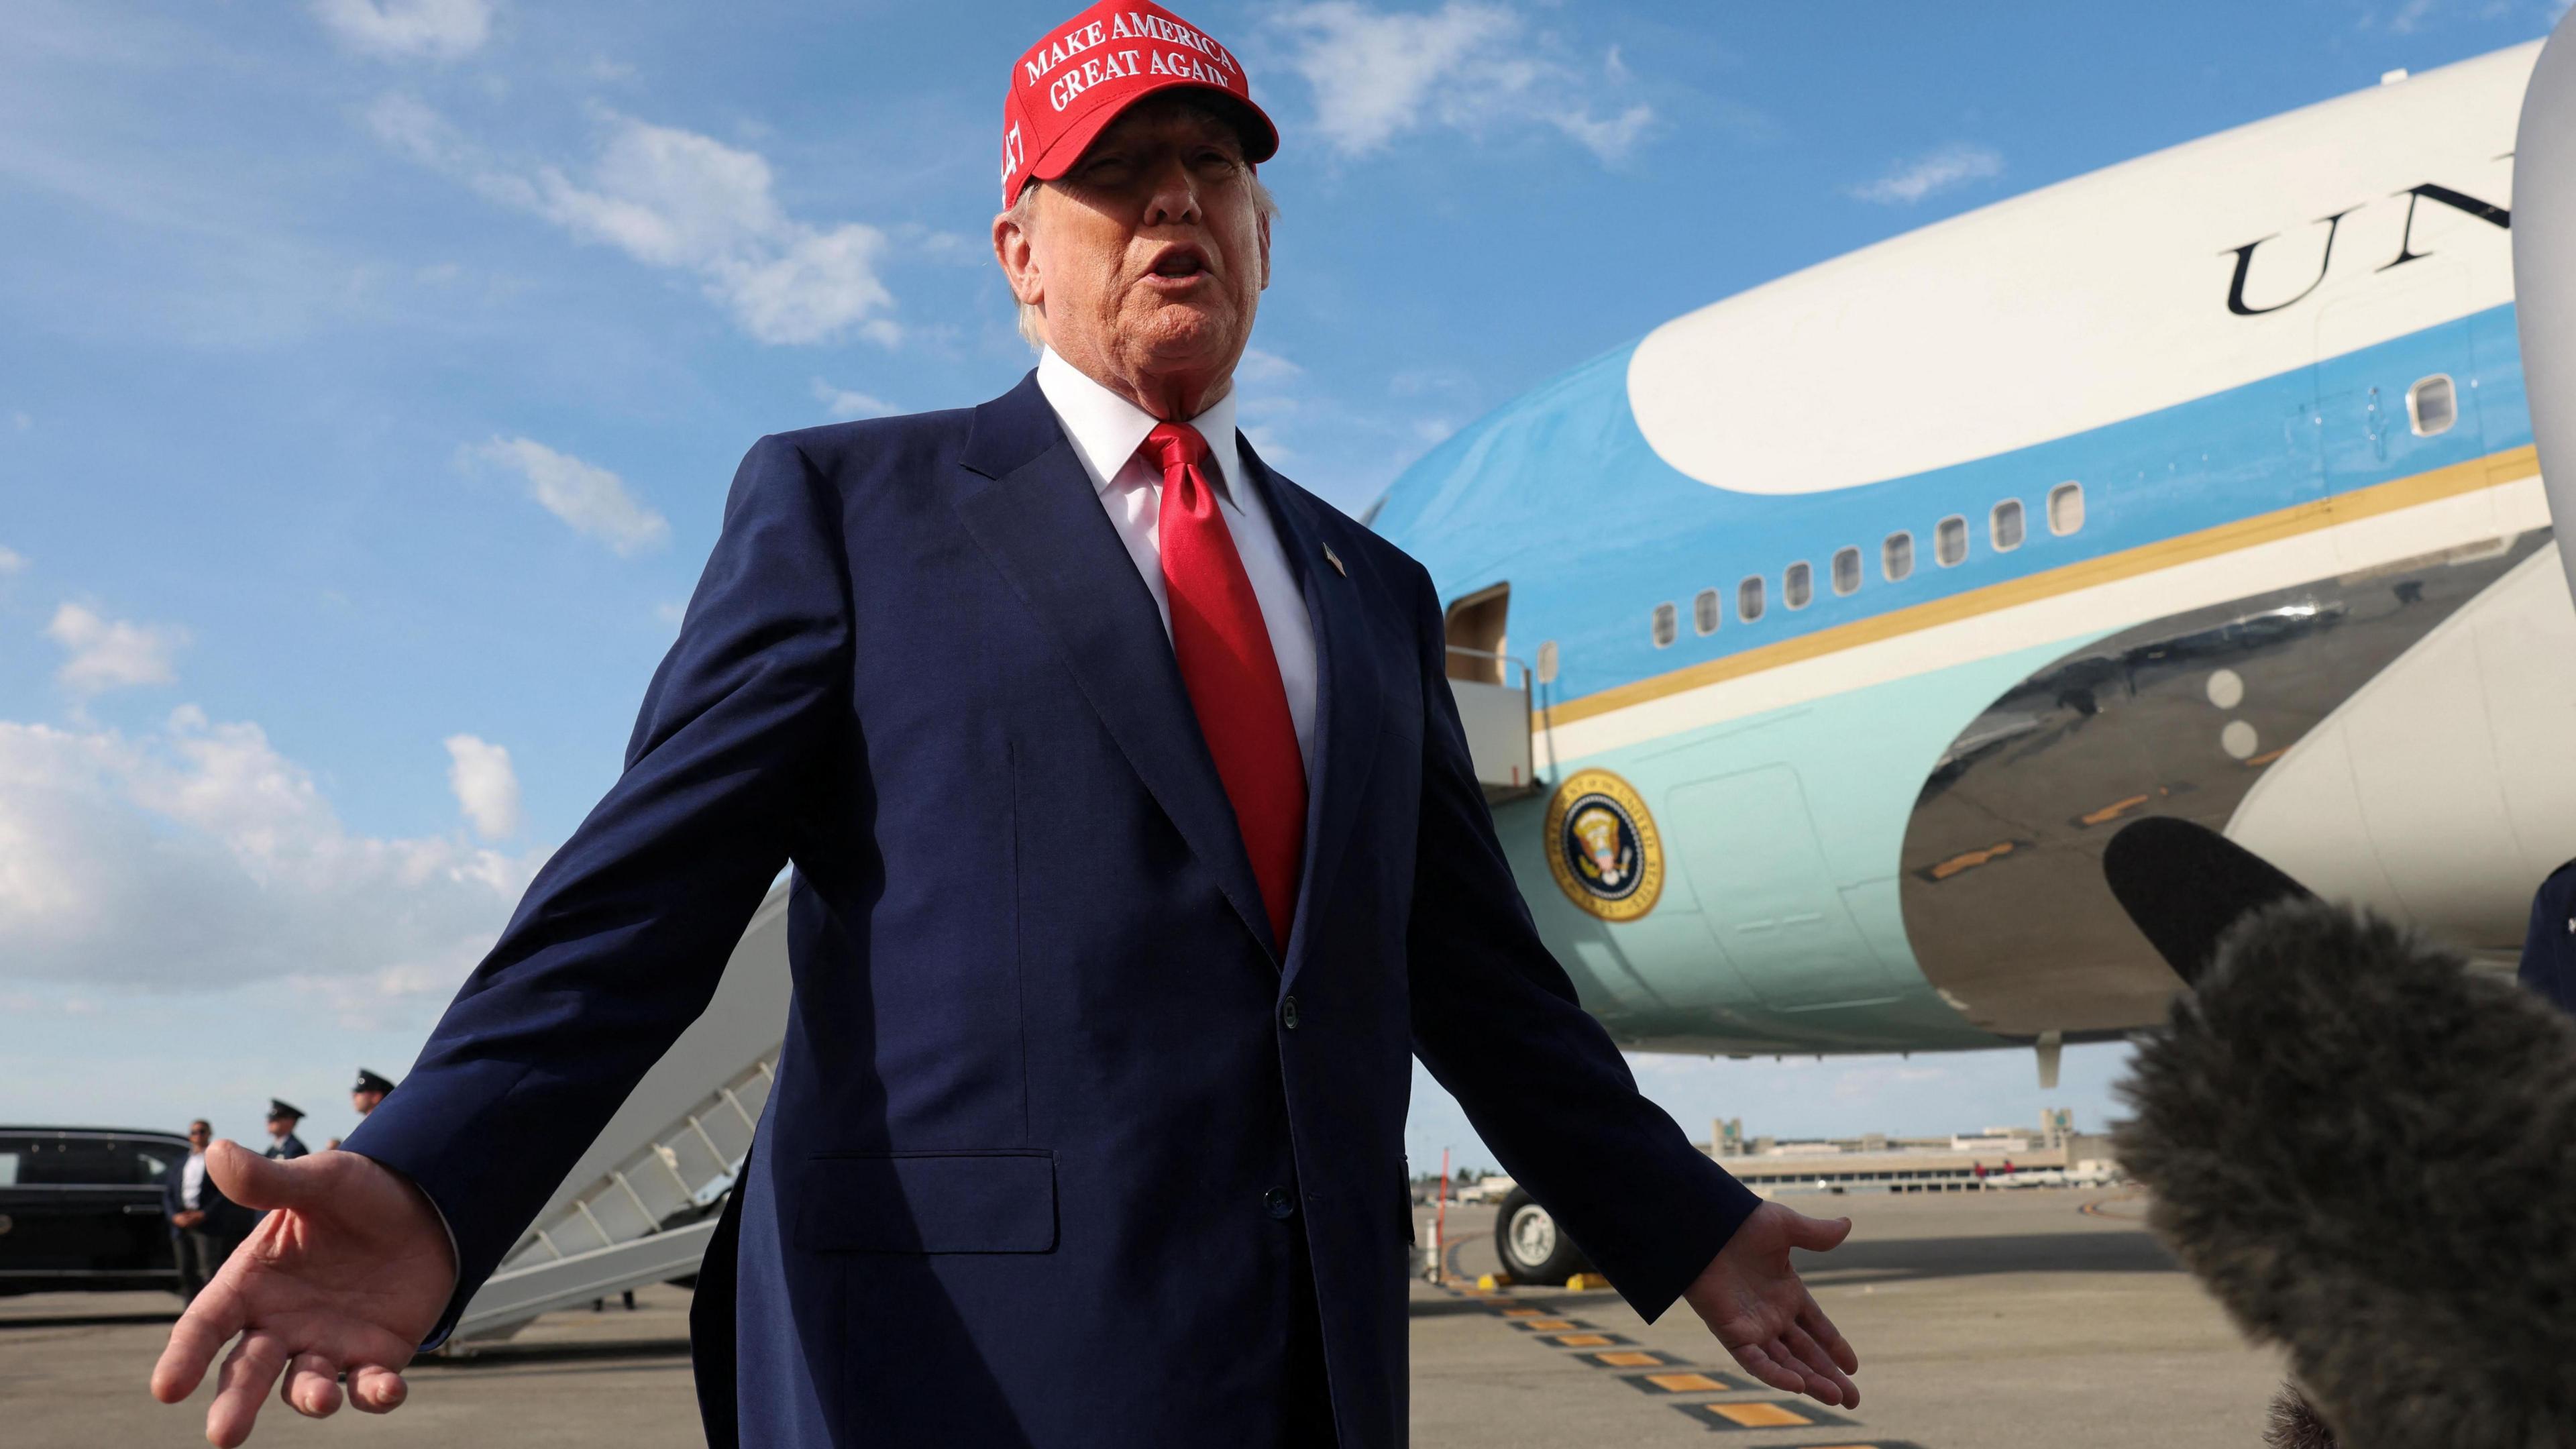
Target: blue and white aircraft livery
1863,607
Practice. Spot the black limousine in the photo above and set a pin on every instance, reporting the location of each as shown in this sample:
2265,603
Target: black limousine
81,1208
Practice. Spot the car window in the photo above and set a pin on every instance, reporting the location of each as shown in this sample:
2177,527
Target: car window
77,1163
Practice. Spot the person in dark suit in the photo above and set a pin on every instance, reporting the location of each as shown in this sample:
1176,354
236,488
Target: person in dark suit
205,1225
2549,948
282,1141
1137,850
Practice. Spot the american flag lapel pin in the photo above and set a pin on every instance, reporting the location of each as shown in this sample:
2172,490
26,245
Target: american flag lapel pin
1335,560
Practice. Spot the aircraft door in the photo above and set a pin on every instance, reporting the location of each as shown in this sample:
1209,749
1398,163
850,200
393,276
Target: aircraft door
2397,402
1750,849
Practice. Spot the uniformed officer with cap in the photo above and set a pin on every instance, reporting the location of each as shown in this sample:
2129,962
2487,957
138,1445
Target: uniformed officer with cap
283,1144
369,1091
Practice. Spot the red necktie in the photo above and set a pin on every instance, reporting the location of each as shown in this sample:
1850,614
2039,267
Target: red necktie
1230,672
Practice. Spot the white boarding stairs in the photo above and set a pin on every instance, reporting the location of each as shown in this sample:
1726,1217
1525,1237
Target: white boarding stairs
673,1148
1496,718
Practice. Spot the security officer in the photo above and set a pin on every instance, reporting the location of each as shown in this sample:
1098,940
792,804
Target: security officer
2549,951
369,1091
282,1141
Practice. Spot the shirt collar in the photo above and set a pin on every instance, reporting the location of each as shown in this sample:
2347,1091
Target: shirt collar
1108,429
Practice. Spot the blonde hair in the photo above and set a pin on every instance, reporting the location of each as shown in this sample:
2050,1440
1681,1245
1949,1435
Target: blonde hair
1024,215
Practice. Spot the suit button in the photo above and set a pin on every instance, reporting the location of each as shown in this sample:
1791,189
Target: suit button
1281,1203
1288,1013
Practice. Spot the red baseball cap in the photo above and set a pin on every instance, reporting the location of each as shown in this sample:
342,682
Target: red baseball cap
1090,69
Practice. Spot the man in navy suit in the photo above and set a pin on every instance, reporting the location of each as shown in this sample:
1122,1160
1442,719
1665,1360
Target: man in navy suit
1137,850
205,1225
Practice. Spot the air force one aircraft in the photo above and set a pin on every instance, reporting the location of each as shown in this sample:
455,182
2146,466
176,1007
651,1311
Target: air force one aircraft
1863,607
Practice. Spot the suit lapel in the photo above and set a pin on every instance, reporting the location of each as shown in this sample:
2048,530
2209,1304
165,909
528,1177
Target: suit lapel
1025,499
1348,700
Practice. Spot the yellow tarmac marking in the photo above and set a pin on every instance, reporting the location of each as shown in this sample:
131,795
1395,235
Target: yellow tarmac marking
1686,1383
1525,1313
1628,1359
1971,860
1582,1340
1758,1416
2492,471
1550,1325
2111,812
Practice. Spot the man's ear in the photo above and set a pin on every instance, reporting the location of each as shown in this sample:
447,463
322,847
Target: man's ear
1264,223
1015,250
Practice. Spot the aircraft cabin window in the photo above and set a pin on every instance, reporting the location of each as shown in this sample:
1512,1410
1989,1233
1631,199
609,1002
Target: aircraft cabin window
1547,662
1950,540
1705,612
2432,405
1896,556
1668,625
1798,585
2065,508
1846,570
2006,526
1748,599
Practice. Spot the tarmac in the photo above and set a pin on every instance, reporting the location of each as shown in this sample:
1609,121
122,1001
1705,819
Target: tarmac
1992,1320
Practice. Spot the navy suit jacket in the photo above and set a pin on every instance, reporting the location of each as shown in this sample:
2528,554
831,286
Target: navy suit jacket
225,1218
1045,1132
2549,947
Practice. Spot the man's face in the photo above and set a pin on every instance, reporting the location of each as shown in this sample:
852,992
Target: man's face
280,1126
1149,255
200,1136
365,1102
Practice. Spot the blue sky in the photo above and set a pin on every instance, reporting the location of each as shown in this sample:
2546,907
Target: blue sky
371,372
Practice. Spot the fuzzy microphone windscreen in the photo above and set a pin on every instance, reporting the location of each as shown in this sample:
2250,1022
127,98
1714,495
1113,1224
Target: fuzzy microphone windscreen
2184,885
2368,1154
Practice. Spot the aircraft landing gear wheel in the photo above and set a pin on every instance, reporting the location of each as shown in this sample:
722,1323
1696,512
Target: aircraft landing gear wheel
1533,1248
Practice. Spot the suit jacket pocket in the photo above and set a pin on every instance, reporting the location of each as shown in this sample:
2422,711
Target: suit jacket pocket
929,1202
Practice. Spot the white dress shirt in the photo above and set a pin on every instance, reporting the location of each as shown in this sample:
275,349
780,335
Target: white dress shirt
1106,430
192,1181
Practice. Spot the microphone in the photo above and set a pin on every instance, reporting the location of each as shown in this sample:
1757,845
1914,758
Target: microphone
2185,884
2364,1151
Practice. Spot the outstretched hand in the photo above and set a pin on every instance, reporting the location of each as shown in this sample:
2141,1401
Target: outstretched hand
1750,1297
348,1271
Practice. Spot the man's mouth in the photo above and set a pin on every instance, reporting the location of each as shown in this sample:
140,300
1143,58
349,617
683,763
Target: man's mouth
1179,265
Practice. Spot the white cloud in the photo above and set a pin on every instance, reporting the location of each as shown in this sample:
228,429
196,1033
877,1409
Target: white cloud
409,29
21,421
1474,67
197,856
590,498
112,653
1935,171
485,785
1259,368
679,200
840,402
11,561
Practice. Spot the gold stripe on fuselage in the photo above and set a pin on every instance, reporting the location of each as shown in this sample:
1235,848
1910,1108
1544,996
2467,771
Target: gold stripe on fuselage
2491,471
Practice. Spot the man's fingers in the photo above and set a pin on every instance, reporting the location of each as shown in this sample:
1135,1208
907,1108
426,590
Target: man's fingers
1812,1318
1751,1358
312,1386
1817,1235
209,1324
1821,1365
376,1389
253,1365
260,1182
